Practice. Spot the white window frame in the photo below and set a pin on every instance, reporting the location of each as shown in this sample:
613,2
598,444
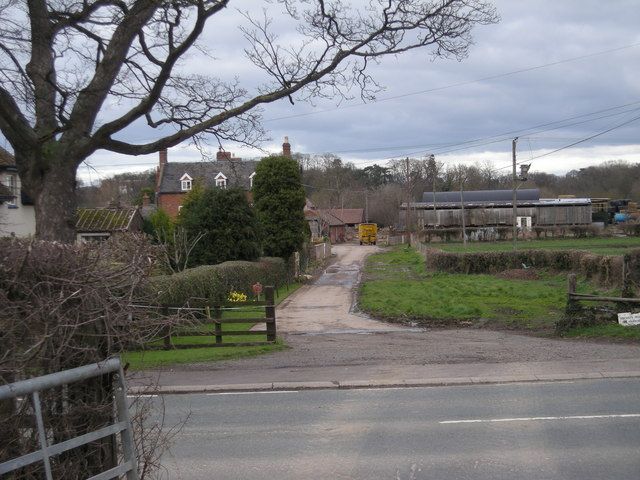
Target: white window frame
251,179
221,180
186,182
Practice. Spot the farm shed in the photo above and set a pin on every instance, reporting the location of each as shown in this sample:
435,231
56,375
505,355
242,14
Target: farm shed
495,208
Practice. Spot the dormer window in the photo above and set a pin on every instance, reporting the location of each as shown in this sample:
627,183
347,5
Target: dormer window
221,180
251,179
186,182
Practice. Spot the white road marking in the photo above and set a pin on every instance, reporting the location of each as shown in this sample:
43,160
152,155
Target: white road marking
143,395
533,419
254,393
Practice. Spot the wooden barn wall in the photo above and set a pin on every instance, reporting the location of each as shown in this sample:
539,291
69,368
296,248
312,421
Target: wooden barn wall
542,215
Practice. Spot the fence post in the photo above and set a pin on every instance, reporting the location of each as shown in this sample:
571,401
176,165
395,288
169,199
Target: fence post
217,326
572,310
270,314
128,442
571,284
167,330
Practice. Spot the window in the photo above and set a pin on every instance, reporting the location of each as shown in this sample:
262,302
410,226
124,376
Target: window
251,179
12,183
221,181
186,182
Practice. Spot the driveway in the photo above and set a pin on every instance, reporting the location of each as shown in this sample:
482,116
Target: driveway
329,341
327,306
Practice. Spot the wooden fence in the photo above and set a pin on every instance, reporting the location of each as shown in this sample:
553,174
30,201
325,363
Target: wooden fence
572,296
212,320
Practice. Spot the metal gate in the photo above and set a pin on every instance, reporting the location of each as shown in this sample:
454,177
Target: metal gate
122,424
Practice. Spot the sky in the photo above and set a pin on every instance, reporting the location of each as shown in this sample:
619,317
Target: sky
545,65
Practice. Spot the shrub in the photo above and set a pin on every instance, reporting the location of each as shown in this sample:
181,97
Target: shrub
631,229
63,306
211,284
605,269
228,223
279,200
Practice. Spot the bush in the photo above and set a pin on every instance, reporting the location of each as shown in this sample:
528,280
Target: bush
605,269
64,306
228,223
211,284
631,229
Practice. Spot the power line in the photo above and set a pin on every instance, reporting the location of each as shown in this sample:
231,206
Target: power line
479,142
443,148
586,139
454,85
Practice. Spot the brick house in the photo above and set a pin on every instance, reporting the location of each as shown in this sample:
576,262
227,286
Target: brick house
176,179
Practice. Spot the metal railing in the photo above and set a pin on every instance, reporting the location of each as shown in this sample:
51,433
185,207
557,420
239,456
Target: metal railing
122,425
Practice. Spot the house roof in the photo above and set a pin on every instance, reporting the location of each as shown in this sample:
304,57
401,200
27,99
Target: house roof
347,215
109,219
327,217
6,159
237,173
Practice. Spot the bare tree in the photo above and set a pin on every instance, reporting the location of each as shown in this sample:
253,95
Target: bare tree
74,59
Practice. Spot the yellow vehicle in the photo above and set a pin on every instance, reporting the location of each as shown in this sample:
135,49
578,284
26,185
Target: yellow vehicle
367,233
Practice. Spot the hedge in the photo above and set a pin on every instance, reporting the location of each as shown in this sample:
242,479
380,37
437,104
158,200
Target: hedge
502,232
604,269
211,284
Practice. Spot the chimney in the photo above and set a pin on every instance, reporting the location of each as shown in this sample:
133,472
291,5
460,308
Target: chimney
286,148
145,200
162,161
163,157
222,155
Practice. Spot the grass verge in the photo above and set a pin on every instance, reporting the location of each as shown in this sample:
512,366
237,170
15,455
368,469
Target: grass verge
608,330
398,287
146,359
599,245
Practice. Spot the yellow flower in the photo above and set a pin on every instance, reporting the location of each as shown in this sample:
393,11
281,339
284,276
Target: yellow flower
236,297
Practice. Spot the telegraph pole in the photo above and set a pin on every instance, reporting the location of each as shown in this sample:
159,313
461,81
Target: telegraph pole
366,205
515,206
464,229
433,175
408,194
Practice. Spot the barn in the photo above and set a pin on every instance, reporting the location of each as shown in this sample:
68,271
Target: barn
494,208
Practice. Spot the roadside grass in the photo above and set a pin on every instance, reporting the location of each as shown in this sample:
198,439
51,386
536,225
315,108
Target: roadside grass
599,245
611,330
146,359
398,287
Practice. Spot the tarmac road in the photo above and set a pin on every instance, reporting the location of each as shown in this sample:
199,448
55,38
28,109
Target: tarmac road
578,430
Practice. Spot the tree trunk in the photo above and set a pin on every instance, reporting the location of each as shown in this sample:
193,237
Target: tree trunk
51,184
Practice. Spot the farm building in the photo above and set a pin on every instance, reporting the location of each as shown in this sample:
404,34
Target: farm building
492,208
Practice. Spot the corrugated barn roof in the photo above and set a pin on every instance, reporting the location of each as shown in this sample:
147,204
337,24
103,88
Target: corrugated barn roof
478,196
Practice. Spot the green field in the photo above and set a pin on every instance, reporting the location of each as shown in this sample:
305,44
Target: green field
145,359
398,287
599,245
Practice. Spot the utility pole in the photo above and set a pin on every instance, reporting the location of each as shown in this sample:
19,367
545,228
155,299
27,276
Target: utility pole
408,194
464,229
366,205
433,177
515,206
